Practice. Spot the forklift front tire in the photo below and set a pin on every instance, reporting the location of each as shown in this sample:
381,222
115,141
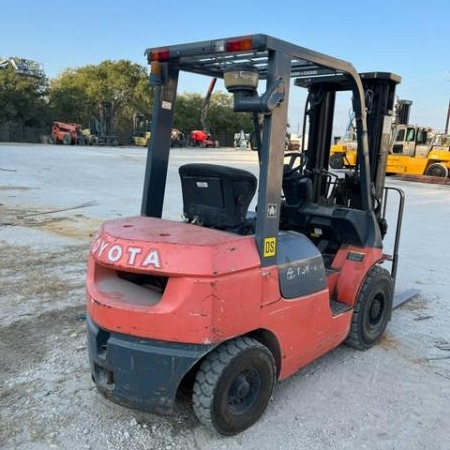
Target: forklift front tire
233,385
373,309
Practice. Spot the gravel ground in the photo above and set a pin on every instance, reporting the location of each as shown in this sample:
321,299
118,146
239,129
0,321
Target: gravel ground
52,200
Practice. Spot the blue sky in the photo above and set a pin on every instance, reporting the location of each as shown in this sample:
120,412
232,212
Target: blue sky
404,37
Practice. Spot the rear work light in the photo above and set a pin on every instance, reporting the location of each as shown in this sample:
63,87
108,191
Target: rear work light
238,45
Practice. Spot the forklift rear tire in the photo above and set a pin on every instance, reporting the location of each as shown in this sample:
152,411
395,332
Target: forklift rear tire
437,170
337,161
233,385
373,309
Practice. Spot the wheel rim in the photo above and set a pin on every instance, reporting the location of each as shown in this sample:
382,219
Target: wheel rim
244,391
375,313
233,385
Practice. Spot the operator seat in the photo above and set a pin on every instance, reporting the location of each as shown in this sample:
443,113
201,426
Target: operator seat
297,189
217,196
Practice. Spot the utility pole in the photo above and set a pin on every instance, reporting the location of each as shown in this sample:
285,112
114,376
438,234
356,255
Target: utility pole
448,118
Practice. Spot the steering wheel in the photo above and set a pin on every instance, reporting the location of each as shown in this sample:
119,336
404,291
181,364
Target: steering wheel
290,168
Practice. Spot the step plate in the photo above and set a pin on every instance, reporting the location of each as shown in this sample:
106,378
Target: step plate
339,307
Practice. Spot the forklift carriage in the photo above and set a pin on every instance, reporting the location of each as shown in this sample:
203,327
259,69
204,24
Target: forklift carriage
232,299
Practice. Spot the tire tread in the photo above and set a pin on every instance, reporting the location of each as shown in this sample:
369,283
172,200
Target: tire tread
210,371
354,336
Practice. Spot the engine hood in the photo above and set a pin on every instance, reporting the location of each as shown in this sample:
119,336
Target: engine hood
142,244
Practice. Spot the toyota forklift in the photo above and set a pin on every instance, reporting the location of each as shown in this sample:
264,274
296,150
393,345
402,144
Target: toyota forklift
227,301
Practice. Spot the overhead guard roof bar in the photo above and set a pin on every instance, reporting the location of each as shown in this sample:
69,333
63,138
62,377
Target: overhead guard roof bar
211,57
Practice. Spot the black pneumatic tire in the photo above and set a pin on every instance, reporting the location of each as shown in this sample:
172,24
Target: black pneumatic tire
372,309
66,139
233,385
337,161
437,170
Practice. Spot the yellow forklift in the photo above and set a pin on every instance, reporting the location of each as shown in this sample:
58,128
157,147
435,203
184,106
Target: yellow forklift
141,130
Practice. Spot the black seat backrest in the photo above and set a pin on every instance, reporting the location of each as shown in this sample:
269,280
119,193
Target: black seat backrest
297,190
216,196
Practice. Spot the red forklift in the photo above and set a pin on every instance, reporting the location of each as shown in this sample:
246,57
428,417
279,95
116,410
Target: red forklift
228,301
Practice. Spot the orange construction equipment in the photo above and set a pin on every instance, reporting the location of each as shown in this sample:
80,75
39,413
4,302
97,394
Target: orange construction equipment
66,133
200,138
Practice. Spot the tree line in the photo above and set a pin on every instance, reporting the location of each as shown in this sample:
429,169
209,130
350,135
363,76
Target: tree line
28,105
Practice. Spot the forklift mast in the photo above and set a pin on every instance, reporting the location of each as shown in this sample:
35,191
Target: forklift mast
106,117
379,89
402,110
379,93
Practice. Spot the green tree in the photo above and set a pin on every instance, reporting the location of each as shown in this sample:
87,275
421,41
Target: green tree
76,94
223,122
22,99
187,112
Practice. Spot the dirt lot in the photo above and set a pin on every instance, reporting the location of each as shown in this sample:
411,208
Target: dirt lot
52,199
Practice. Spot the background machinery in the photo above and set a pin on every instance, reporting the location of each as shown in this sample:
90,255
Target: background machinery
230,300
100,131
413,149
242,140
177,138
65,133
142,133
202,138
141,130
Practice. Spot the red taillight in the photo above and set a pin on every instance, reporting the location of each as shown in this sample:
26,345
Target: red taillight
159,55
238,45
